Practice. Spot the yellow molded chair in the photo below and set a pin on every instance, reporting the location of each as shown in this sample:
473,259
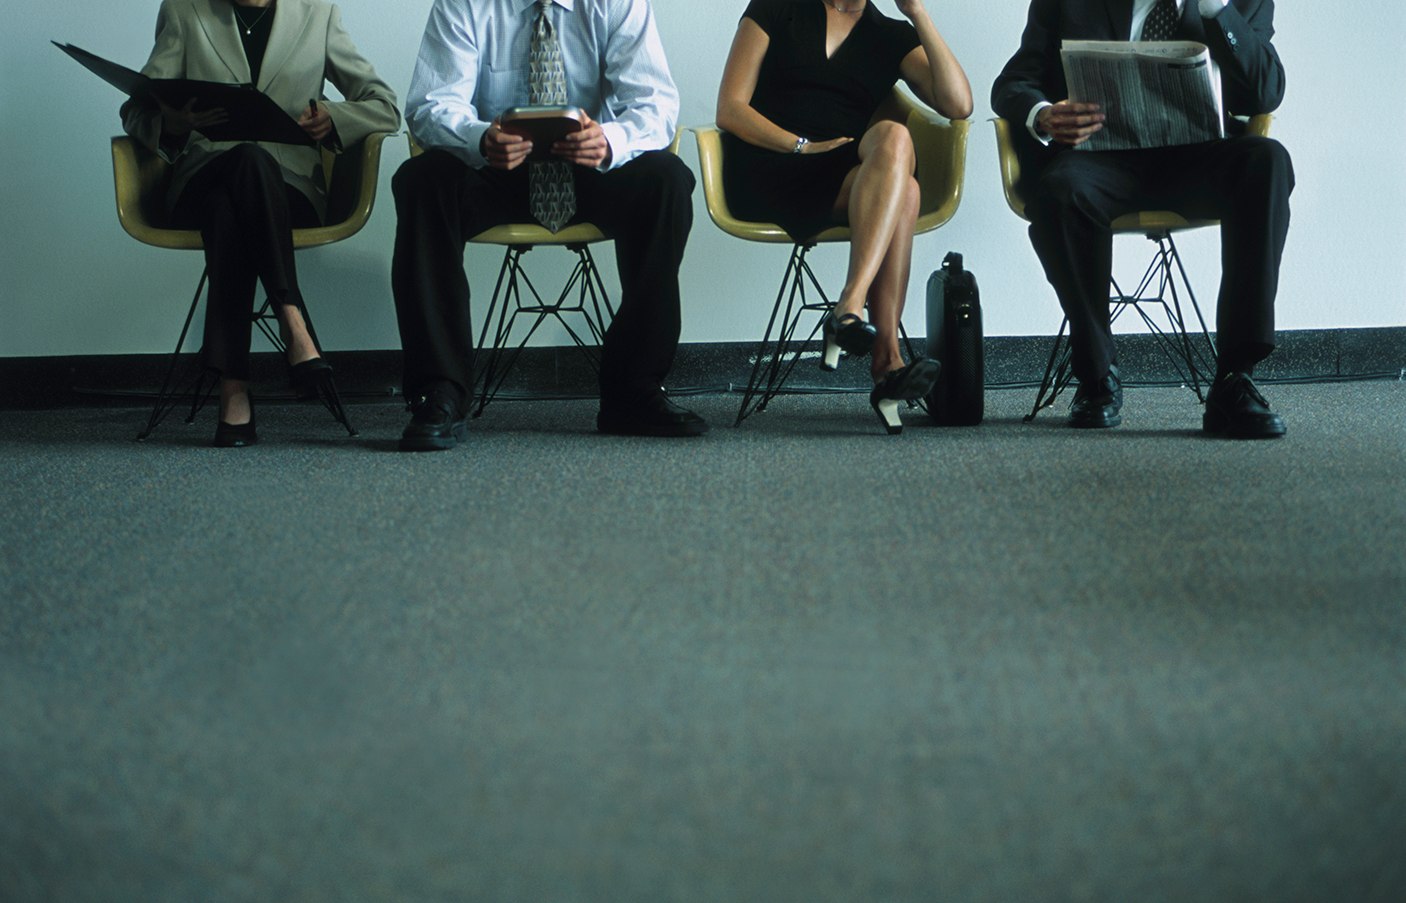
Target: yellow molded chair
141,179
941,151
1193,358
583,295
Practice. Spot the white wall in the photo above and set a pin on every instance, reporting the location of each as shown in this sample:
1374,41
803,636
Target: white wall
74,283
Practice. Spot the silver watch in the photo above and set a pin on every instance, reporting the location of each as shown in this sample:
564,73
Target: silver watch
800,145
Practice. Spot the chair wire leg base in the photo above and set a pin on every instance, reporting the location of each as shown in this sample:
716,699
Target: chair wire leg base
777,359
583,295
1194,364
166,398
195,373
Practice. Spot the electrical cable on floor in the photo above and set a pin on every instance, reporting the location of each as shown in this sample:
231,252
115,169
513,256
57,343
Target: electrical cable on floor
731,388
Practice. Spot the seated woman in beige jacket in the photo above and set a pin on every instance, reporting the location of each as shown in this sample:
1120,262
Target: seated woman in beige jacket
244,197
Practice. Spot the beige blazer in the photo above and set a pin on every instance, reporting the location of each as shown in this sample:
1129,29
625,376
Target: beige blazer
199,39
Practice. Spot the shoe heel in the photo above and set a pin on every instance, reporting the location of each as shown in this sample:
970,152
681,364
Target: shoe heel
831,359
887,409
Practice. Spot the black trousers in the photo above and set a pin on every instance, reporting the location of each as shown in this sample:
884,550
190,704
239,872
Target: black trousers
1244,182
246,214
644,206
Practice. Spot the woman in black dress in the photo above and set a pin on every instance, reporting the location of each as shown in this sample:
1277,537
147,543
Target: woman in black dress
804,80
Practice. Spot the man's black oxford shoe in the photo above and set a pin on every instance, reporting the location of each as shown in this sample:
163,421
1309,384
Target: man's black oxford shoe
1237,410
1096,405
655,415
436,424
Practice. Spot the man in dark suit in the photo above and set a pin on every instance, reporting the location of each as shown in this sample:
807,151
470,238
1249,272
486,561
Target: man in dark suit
1243,181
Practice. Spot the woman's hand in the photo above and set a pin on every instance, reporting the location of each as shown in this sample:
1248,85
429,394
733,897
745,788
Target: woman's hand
911,8
179,123
316,121
820,147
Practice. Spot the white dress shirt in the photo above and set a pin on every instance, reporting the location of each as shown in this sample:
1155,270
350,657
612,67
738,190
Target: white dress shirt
473,65
1141,8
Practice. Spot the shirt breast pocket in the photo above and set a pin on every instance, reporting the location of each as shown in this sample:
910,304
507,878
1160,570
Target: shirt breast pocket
504,77
506,50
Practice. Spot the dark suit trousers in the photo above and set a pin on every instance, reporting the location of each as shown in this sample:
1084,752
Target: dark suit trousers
645,206
1244,182
246,214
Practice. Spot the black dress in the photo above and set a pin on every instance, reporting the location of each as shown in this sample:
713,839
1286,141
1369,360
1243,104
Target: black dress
819,98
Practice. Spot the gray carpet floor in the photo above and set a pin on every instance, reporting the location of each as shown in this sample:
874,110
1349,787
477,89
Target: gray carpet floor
795,661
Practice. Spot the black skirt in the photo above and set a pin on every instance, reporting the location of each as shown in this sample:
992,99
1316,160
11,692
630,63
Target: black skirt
795,191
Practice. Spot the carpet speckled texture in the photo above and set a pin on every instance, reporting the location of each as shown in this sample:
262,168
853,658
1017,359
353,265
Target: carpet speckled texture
795,661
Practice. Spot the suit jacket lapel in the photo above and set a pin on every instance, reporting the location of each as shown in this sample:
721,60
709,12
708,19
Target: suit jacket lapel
1120,18
289,23
1191,27
216,18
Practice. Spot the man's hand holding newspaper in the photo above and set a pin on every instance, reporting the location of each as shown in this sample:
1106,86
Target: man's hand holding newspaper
1070,123
1136,94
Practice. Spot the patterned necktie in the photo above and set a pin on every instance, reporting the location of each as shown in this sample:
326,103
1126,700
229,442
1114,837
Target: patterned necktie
1161,22
551,186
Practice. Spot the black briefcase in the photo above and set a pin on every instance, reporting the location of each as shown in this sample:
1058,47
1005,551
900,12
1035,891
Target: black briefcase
955,341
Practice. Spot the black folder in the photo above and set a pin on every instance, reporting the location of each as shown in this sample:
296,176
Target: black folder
253,116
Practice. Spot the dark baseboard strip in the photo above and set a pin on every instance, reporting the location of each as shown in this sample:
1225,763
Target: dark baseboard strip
374,376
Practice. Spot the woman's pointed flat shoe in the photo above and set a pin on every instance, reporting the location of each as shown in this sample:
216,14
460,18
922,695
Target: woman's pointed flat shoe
236,435
307,377
900,386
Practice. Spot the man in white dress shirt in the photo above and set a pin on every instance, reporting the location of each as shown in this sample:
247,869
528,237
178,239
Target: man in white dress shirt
473,65
1072,197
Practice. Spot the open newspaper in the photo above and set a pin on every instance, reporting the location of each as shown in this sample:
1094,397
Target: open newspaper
1153,93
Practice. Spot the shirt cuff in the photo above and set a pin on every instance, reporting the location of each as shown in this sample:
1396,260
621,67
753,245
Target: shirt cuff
614,136
1211,8
474,145
1030,122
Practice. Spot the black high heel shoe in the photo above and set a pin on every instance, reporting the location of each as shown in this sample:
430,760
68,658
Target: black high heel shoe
848,333
902,385
307,377
237,435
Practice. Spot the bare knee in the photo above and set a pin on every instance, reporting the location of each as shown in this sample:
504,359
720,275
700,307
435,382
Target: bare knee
889,144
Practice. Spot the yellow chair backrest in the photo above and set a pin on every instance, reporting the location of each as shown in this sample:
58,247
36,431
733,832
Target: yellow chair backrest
416,150
1010,172
531,233
141,179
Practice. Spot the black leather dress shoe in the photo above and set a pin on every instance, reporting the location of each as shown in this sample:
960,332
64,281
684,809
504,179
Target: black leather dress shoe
656,415
436,424
1236,409
1097,404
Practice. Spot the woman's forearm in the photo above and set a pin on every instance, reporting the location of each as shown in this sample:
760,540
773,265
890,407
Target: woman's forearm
742,120
948,92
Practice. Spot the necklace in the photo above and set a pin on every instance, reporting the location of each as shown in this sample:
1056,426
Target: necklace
249,26
852,9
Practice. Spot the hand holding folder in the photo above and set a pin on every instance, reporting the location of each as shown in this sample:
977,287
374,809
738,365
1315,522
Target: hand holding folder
249,115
